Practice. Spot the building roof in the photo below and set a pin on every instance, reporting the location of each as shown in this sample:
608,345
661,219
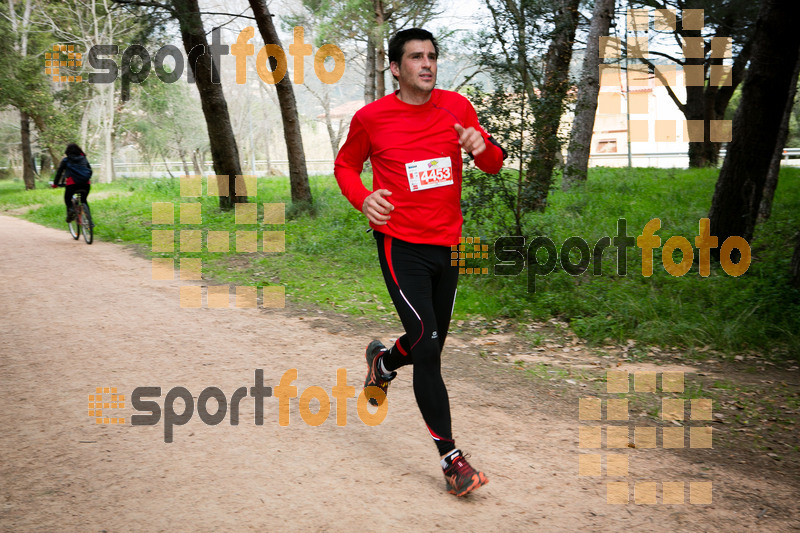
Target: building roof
344,111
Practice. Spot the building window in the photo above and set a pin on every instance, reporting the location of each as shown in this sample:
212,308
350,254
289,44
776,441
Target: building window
607,147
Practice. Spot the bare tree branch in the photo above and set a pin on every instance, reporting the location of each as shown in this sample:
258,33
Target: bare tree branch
666,84
148,3
234,15
467,79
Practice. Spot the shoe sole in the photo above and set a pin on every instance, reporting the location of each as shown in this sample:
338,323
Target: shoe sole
372,398
478,480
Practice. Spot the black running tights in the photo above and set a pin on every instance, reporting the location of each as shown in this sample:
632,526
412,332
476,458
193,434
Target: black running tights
422,283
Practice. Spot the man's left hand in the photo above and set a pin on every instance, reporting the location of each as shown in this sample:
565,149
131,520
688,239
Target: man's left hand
470,139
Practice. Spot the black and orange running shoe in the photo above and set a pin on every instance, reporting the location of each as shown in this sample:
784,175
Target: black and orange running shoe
460,476
375,378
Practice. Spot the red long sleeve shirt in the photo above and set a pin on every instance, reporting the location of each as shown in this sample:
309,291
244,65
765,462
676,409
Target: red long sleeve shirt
393,134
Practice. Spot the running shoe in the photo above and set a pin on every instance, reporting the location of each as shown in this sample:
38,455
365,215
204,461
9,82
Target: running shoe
70,216
460,476
375,378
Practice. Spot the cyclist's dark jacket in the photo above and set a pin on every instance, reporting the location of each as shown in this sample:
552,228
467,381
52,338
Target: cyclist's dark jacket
65,170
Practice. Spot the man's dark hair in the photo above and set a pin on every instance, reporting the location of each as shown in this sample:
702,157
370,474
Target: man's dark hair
73,149
398,42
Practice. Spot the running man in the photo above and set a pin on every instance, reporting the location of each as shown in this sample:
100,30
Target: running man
414,139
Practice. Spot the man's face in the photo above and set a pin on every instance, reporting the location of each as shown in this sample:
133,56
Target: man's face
417,69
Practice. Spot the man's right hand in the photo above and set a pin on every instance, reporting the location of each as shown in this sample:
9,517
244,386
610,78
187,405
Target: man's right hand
377,208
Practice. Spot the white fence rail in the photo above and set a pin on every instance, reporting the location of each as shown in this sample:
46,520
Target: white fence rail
791,157
262,168
317,167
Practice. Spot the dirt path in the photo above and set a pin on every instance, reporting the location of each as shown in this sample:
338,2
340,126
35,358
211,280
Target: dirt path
62,472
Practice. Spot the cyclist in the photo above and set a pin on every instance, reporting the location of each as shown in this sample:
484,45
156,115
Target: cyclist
414,138
77,174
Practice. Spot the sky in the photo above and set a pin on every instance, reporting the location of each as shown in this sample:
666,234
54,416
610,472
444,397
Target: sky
458,14
461,14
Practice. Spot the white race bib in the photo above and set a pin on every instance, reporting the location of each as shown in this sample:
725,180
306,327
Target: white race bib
429,173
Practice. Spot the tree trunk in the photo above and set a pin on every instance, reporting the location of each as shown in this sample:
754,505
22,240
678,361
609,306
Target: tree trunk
47,165
380,51
28,172
107,123
706,153
84,124
53,159
197,165
696,108
710,102
794,274
580,143
224,151
369,71
332,134
166,165
549,107
182,154
325,101
20,28
737,196
298,174
268,134
765,209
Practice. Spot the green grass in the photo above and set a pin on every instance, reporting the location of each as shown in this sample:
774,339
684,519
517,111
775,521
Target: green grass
756,311
331,261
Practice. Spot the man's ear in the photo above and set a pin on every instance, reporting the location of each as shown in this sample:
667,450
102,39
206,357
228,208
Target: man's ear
395,68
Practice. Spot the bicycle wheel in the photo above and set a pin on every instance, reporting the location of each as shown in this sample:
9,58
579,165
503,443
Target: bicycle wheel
86,223
74,226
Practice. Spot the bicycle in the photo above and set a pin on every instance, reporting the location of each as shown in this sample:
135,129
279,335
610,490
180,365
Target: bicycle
82,221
